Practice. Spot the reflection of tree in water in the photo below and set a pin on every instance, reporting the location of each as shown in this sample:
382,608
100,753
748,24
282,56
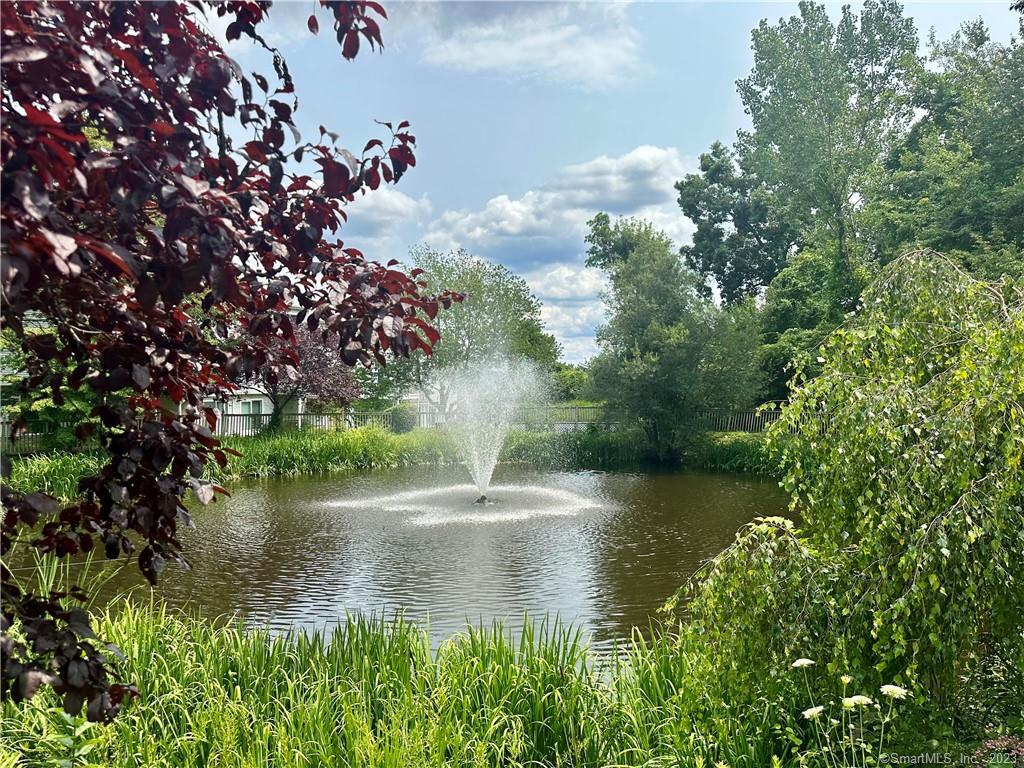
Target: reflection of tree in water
255,554
669,524
303,551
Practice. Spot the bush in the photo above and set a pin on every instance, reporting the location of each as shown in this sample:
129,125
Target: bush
404,418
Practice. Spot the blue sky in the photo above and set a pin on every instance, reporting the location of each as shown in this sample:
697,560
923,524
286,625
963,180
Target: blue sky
532,116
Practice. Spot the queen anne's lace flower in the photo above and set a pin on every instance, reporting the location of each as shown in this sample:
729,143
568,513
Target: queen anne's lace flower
849,702
813,713
894,692
802,663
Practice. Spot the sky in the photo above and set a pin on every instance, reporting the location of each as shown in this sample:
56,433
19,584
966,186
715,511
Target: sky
530,117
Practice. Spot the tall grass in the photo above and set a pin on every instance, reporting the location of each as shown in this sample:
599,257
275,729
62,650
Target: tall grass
56,473
729,452
318,452
374,694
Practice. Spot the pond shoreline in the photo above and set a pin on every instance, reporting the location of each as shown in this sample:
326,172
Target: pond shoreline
318,453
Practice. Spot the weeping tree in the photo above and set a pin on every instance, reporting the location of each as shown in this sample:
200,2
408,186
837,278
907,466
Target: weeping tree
904,459
906,464
140,234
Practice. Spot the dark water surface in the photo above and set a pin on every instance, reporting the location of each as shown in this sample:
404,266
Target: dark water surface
600,550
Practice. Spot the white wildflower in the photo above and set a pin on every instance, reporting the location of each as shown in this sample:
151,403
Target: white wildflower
894,692
802,663
813,713
849,702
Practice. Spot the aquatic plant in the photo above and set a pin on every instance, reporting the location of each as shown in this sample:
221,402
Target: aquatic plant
373,693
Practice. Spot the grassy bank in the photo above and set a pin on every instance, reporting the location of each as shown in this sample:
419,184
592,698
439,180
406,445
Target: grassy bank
375,695
729,452
317,452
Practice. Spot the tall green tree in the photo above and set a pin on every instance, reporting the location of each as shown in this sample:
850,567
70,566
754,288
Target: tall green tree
666,349
498,316
827,101
744,237
956,183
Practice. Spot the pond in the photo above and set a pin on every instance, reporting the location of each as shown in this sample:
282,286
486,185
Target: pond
600,550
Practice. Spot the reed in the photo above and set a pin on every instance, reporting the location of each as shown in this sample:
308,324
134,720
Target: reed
56,473
729,452
373,693
320,452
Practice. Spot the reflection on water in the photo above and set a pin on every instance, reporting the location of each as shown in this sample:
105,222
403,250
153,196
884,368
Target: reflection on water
601,550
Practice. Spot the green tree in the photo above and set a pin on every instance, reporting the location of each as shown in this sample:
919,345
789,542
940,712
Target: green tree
499,316
666,349
905,463
956,183
827,101
570,382
903,453
743,236
802,306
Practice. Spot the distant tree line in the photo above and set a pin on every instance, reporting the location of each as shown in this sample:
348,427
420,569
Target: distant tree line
860,149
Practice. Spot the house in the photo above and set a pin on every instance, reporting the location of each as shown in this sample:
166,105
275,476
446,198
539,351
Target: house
246,411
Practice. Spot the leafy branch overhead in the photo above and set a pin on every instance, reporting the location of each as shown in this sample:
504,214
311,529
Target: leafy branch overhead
127,203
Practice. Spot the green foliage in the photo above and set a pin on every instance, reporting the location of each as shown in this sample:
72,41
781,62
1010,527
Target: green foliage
802,306
903,455
742,238
666,350
906,465
404,418
826,101
300,452
956,184
571,383
55,473
858,152
373,693
727,452
499,315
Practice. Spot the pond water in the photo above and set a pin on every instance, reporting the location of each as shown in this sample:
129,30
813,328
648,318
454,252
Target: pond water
600,550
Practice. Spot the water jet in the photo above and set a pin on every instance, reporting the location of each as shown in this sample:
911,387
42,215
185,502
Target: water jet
484,401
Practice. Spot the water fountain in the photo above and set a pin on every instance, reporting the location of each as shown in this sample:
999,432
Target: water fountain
484,401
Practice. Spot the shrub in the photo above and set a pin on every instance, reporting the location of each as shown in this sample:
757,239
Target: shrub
404,418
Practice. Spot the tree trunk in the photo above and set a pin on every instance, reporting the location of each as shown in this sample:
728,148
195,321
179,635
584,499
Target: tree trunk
277,405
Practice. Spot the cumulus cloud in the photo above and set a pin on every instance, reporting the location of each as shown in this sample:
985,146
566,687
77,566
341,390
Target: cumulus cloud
573,320
550,221
565,281
382,220
540,233
583,44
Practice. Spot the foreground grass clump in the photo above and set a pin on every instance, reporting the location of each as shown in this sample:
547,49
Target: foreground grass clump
374,694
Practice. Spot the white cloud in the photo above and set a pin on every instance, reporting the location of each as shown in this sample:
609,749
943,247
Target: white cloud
551,220
579,350
541,233
572,305
380,221
583,44
565,281
569,320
